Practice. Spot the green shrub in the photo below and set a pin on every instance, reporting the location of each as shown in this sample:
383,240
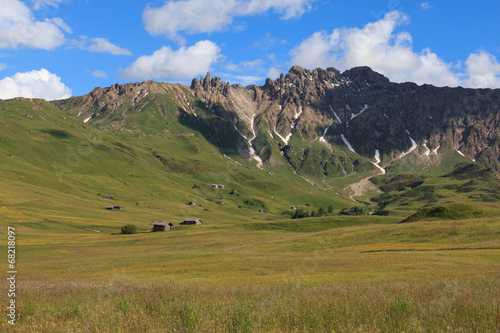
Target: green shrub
129,229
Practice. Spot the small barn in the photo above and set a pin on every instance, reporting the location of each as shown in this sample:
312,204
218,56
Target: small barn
161,225
191,221
113,207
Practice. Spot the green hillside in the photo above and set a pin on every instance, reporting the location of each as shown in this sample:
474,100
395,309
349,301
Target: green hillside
243,269
52,162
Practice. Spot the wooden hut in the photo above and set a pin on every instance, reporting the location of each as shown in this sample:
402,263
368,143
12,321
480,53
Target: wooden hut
161,225
191,221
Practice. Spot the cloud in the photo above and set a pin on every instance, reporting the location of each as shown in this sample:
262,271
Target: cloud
183,63
98,44
100,74
425,5
41,4
34,84
274,73
244,79
377,46
103,45
18,28
61,24
3,66
255,65
194,16
483,71
266,42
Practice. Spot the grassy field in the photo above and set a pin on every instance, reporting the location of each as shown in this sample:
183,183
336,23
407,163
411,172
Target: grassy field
450,305
242,270
357,276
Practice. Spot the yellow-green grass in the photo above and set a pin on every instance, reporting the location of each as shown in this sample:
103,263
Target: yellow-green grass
447,305
419,277
230,253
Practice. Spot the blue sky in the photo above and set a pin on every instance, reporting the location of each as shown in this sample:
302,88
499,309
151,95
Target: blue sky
53,49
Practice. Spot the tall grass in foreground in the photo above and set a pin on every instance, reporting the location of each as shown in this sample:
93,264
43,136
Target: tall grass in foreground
452,305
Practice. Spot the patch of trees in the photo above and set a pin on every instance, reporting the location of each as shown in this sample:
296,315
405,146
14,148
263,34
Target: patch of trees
300,213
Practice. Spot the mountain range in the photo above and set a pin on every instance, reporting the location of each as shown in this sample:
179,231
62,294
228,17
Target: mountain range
348,143
321,123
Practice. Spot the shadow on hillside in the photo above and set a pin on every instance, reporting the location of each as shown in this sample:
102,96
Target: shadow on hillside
216,130
61,134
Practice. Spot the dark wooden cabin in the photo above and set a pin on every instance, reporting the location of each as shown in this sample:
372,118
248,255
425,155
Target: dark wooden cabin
191,221
161,225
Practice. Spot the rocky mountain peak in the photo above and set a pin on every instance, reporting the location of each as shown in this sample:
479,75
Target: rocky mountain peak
209,84
364,74
358,110
363,108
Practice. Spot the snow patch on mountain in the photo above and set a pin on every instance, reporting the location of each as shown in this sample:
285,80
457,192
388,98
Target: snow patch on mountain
347,143
354,115
435,150
250,144
377,161
427,151
413,145
335,114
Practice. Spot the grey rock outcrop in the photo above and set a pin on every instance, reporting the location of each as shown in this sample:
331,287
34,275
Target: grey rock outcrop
365,108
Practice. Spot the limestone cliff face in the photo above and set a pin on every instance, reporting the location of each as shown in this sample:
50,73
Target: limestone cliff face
365,110
310,120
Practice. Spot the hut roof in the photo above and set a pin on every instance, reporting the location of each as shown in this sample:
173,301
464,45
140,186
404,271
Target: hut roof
192,219
161,222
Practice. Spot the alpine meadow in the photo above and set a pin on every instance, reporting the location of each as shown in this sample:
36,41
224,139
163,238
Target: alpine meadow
250,166
318,202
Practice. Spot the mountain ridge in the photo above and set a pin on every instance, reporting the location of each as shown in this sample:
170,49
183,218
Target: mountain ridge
303,114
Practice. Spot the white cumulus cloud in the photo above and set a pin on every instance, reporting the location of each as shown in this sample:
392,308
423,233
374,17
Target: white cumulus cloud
483,71
100,74
18,28
34,84
184,63
194,16
377,45
103,45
